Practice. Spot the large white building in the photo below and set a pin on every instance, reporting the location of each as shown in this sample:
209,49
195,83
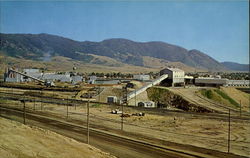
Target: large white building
175,76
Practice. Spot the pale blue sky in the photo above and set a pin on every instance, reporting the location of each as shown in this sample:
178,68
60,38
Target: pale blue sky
218,28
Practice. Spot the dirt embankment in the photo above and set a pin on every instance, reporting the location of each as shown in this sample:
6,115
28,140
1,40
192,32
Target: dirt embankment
239,96
21,141
168,99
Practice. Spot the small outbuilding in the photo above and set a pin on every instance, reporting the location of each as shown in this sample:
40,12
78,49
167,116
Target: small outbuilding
148,104
111,99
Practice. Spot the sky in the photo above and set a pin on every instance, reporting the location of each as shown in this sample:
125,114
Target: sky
218,28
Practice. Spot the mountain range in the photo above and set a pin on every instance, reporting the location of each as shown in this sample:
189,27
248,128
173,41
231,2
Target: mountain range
45,46
235,66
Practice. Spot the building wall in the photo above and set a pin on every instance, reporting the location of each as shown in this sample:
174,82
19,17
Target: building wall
178,76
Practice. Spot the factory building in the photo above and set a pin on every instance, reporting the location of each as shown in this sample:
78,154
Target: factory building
31,72
211,82
238,83
76,79
175,77
189,80
147,104
56,77
141,77
92,79
10,76
107,82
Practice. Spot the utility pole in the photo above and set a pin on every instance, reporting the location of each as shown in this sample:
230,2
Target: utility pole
34,105
240,108
41,104
229,131
135,97
125,101
67,107
24,111
88,120
122,117
99,97
41,100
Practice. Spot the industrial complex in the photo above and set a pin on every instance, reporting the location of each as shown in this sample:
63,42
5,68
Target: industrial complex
169,77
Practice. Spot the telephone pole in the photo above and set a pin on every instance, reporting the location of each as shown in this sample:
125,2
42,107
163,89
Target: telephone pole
88,120
34,108
135,97
229,131
240,108
125,101
67,107
24,112
99,97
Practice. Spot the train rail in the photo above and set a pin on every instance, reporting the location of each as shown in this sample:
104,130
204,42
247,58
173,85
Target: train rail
117,145
74,102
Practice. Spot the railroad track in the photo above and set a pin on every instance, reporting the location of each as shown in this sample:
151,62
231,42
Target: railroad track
72,102
212,140
115,144
225,108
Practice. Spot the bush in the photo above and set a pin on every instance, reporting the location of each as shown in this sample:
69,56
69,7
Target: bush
207,93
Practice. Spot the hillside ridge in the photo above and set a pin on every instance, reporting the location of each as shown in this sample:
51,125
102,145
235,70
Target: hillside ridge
39,46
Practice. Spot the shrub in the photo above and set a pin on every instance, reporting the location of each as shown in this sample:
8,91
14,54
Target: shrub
207,93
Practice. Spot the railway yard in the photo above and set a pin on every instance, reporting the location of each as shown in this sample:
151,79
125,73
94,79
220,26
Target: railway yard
164,132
